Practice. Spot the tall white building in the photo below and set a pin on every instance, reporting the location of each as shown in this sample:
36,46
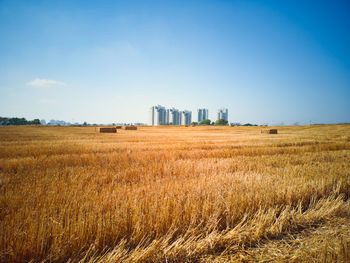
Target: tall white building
174,116
186,117
223,114
202,115
158,115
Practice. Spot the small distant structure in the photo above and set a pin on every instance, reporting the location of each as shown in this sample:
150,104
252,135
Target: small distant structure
234,124
108,130
269,131
118,127
130,127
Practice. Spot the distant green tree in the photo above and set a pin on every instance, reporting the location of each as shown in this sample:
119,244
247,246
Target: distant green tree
205,122
3,120
249,124
17,121
34,122
194,123
221,122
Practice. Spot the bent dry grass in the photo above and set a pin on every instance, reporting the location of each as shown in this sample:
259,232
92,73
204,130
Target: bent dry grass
174,194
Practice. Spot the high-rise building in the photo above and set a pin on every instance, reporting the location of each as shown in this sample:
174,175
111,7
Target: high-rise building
158,115
202,115
167,113
186,117
174,116
223,114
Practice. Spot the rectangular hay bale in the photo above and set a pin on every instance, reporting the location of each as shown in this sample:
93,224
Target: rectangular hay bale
118,127
269,131
108,130
130,127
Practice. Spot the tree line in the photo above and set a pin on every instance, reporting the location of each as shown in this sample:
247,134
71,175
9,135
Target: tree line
208,122
18,121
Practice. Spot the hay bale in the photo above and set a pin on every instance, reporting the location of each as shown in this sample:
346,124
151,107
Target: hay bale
131,127
118,127
269,131
108,130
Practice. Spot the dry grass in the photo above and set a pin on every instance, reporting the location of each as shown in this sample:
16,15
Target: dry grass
175,194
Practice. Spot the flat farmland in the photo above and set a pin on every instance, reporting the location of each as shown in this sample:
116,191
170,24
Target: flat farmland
175,194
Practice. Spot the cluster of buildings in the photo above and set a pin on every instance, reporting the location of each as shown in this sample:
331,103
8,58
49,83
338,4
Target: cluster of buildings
159,115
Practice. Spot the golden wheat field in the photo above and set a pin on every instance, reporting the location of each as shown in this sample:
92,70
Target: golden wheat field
175,194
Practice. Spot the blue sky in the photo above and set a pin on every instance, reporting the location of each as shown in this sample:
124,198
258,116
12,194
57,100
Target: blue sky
110,61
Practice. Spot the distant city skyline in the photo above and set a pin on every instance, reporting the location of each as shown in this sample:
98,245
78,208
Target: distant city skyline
160,115
268,62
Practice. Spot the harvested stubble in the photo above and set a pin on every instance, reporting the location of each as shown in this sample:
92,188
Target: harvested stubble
174,194
269,131
108,130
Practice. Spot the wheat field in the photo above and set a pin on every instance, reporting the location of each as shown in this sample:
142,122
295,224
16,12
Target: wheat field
175,194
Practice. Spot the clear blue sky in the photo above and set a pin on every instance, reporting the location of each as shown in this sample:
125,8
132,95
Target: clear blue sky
110,61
